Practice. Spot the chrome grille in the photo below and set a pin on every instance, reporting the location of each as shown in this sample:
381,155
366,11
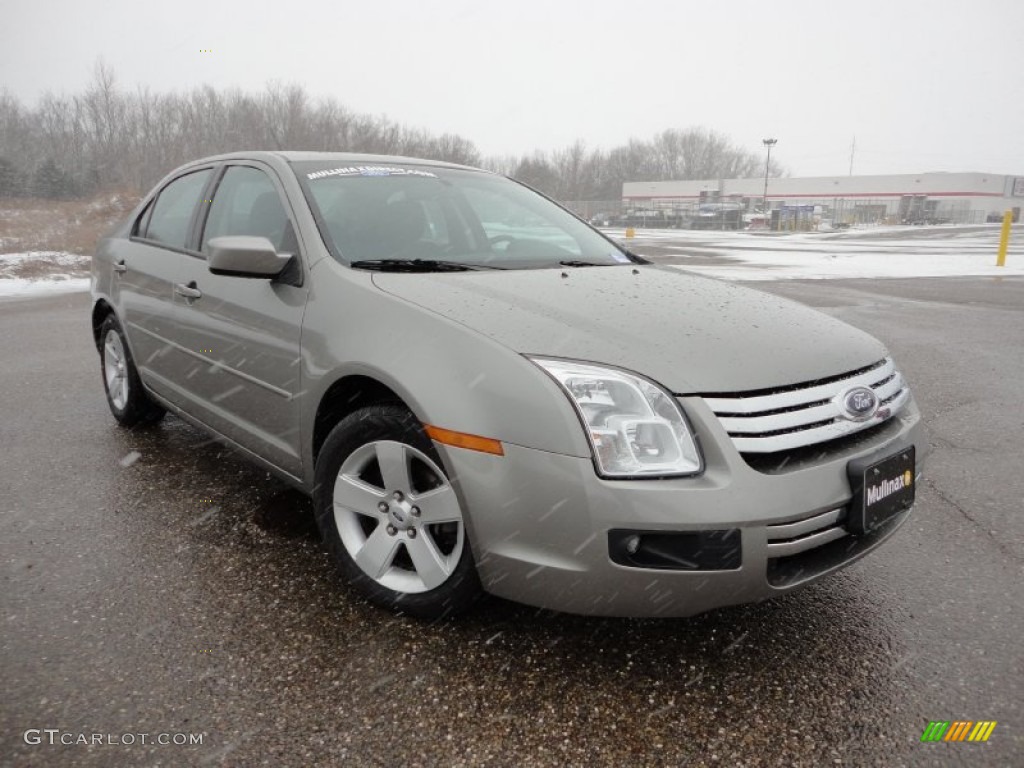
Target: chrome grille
792,538
805,414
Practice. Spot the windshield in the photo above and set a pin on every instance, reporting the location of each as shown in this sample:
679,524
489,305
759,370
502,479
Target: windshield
370,214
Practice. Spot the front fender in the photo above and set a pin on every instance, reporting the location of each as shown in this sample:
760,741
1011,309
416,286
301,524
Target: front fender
449,375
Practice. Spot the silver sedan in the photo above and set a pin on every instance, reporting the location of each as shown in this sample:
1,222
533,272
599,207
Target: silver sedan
482,393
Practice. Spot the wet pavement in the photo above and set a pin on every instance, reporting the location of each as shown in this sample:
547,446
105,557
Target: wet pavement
154,583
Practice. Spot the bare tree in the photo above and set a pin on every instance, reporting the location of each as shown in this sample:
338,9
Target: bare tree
105,138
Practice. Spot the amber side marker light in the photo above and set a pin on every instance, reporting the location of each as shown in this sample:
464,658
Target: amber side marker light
462,440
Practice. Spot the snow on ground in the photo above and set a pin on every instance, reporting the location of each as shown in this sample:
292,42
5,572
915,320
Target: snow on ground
876,253
57,258
785,266
36,273
18,287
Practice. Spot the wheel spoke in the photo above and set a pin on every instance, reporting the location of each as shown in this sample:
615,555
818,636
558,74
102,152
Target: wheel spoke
352,493
377,553
111,380
112,353
431,566
438,506
394,466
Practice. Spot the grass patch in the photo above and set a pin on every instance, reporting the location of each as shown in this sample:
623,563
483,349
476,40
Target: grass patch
69,226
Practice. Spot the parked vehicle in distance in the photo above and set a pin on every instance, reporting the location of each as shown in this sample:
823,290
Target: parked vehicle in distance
718,216
756,219
482,393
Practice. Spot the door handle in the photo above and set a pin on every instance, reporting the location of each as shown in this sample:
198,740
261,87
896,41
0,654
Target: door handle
188,291
120,266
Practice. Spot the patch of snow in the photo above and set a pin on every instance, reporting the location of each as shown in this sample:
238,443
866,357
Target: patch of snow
60,258
69,279
18,287
949,251
779,265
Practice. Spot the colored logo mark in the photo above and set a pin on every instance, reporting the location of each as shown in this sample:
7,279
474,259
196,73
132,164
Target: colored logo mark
958,730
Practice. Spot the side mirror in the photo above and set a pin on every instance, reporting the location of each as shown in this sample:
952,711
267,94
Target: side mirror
245,256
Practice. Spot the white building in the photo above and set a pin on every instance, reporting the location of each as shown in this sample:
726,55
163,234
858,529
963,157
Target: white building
963,198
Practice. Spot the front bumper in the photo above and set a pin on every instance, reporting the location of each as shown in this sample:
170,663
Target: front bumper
539,523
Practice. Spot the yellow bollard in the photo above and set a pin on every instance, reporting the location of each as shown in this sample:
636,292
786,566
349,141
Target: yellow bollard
1004,239
630,233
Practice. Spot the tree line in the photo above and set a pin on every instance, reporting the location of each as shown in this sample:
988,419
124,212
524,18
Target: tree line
108,138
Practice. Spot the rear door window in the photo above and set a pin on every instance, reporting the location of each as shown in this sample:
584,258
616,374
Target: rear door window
172,213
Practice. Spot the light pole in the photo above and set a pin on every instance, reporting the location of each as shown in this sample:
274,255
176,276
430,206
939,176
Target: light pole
768,143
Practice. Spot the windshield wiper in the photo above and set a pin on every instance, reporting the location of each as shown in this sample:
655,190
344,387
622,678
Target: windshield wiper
580,263
416,265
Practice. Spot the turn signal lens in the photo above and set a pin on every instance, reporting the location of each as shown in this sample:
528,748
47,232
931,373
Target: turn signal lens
462,440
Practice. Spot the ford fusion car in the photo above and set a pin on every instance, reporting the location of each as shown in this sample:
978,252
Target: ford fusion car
482,393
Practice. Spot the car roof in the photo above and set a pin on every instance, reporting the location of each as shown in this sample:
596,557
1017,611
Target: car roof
293,156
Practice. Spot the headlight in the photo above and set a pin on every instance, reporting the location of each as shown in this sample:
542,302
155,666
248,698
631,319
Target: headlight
635,427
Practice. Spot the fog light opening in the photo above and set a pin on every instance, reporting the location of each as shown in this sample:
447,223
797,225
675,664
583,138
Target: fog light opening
711,550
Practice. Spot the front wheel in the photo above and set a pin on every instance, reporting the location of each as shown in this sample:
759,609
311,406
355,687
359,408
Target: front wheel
390,516
127,399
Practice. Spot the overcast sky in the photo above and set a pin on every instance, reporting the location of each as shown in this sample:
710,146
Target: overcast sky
923,86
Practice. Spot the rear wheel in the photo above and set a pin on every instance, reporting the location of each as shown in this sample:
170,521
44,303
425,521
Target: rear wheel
127,399
390,516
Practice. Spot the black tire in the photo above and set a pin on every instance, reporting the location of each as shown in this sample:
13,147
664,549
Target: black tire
137,410
390,422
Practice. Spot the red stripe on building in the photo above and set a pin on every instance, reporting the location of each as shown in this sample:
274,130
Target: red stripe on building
818,196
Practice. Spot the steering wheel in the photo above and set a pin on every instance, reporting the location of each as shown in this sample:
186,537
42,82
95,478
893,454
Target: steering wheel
422,250
497,239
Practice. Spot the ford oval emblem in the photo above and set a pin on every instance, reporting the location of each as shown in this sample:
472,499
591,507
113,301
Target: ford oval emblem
858,404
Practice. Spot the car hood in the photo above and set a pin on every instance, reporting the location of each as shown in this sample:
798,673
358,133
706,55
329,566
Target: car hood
691,334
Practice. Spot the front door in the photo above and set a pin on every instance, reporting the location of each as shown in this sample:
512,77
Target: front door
244,332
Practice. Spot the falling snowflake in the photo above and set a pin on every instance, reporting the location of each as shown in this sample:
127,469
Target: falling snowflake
130,459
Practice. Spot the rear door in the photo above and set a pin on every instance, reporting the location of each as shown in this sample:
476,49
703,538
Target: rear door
245,331
145,272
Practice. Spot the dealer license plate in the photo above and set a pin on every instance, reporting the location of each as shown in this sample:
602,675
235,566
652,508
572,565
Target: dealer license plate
880,490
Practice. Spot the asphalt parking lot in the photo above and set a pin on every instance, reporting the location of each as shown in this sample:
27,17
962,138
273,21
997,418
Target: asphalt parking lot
154,583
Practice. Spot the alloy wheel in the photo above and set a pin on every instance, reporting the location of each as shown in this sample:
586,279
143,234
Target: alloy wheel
115,369
398,516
